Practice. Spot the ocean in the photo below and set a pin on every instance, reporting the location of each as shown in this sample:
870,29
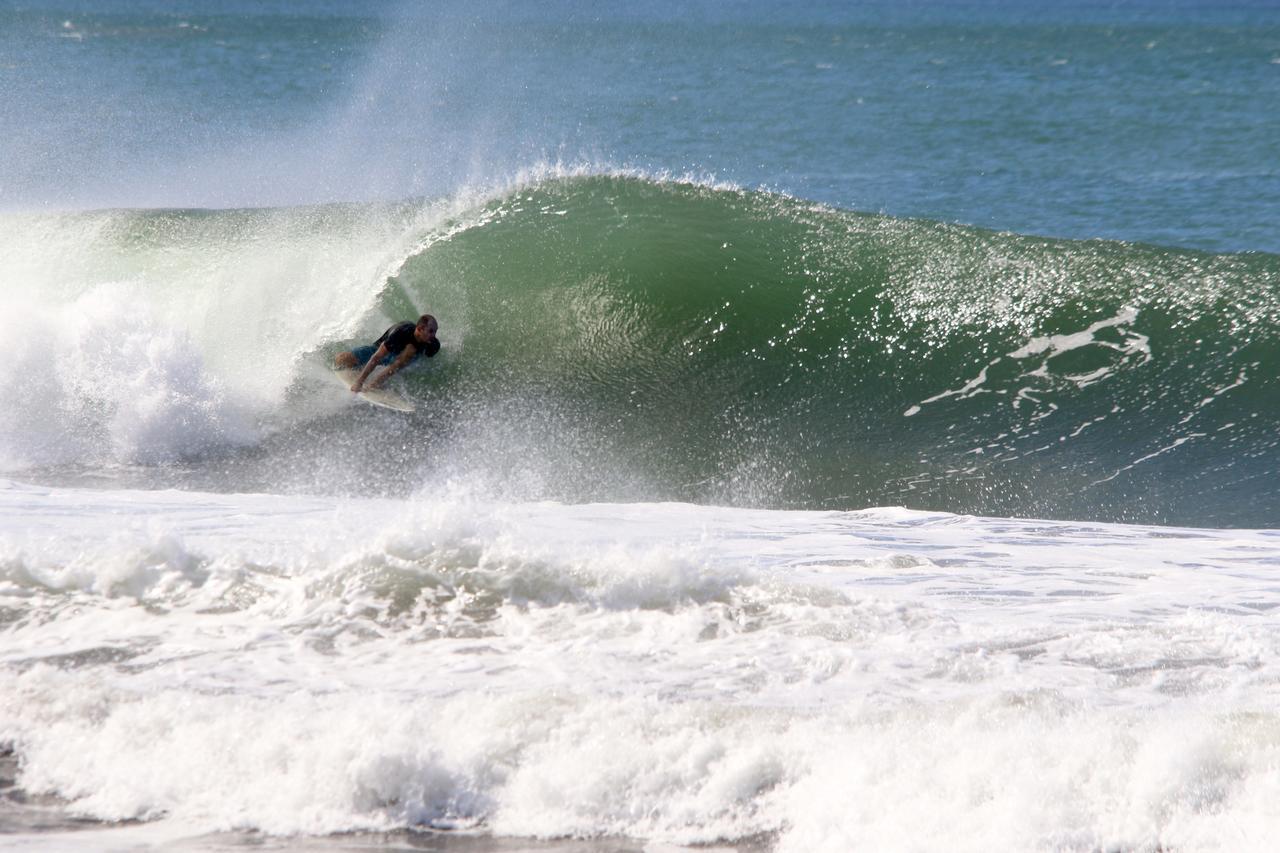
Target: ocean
854,429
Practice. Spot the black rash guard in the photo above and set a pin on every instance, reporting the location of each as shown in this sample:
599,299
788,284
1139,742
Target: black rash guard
400,336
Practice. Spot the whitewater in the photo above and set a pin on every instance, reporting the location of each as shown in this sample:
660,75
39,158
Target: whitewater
686,674
822,455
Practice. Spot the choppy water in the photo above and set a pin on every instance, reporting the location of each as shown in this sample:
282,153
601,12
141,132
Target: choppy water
765,332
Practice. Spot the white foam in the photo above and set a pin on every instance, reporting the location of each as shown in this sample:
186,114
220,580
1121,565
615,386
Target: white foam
101,378
138,337
675,673
1039,353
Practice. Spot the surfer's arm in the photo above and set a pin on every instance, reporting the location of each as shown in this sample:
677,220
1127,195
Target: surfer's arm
406,356
369,366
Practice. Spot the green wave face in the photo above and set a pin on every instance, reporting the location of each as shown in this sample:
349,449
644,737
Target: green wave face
621,338
665,340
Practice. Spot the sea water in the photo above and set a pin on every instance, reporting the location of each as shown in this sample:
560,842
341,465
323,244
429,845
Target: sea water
854,427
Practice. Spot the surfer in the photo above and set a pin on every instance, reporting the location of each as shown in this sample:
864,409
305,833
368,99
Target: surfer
398,346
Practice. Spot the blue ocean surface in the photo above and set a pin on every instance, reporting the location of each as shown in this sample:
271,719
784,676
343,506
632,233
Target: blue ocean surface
854,428
1145,121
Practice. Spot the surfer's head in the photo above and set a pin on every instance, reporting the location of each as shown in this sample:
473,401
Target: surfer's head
426,328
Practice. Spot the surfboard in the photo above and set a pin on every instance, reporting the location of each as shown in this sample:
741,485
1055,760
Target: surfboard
383,398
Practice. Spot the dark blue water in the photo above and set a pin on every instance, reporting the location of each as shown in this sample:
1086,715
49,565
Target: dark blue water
1153,122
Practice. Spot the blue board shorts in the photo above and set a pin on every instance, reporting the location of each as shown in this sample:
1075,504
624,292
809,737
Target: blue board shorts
363,354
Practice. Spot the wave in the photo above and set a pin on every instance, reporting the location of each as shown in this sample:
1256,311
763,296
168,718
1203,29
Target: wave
617,336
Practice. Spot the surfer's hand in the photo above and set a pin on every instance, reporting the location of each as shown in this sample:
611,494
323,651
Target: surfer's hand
355,388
